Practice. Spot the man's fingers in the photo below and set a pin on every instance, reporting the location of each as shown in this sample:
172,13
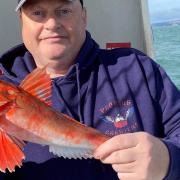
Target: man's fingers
121,156
119,142
129,176
125,168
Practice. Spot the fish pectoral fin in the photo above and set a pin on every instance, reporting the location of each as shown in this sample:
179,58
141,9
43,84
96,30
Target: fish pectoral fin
71,152
11,154
17,141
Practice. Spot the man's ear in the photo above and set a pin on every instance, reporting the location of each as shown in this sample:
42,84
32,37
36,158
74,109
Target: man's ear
20,16
84,16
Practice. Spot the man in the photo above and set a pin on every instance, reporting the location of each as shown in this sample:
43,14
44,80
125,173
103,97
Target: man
122,93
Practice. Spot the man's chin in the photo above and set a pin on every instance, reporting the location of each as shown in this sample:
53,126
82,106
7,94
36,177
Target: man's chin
53,48
54,57
54,54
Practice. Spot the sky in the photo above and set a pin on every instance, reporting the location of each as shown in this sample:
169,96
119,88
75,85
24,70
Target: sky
164,10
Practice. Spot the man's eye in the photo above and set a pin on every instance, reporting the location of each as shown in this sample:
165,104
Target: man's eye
63,12
38,13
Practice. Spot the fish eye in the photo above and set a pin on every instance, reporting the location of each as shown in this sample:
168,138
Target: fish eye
11,92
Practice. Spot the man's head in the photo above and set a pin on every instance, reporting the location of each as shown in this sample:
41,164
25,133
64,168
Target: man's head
53,30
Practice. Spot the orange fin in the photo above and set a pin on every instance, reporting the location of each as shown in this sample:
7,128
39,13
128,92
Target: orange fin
38,83
18,142
10,153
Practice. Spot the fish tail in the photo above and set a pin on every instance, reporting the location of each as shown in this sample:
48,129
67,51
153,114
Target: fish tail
10,153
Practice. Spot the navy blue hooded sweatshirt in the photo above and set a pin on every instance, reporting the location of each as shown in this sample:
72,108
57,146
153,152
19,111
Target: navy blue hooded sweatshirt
115,91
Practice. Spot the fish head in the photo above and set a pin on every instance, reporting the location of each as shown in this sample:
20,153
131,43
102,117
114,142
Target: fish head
8,92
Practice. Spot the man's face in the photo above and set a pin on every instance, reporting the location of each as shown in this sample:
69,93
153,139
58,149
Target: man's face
53,30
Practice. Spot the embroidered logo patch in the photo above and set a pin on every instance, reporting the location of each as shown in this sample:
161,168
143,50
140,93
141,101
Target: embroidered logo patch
120,115
119,120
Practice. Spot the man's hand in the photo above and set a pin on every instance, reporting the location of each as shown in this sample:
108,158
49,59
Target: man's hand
135,156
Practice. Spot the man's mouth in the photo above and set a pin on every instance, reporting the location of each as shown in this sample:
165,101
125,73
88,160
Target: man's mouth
56,37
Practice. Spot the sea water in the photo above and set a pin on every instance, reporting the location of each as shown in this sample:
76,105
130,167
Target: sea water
167,50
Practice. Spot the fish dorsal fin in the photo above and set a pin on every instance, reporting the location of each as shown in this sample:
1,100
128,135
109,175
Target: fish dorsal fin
38,84
11,153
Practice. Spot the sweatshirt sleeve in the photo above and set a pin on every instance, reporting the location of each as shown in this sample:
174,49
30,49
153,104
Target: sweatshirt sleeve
174,167
166,98
169,101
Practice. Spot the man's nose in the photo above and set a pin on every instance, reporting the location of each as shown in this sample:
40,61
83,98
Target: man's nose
52,24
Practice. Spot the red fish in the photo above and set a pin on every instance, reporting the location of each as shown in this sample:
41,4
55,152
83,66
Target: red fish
26,115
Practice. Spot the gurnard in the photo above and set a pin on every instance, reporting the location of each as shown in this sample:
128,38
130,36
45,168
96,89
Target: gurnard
26,115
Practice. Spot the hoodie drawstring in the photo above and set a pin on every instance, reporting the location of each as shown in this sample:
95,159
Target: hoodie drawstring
79,93
58,91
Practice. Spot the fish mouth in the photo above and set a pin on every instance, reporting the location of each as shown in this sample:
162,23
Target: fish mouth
5,107
4,100
3,103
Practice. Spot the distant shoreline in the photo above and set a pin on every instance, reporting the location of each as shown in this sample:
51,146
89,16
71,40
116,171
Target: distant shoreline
167,23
